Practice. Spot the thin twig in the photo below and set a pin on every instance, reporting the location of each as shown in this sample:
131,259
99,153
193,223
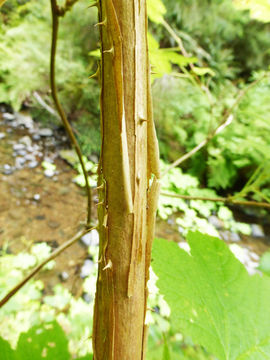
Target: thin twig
53,255
226,200
60,110
44,104
226,120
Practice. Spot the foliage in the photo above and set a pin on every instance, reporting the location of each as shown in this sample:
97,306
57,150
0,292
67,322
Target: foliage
194,215
259,9
224,38
185,117
42,341
30,308
25,57
213,299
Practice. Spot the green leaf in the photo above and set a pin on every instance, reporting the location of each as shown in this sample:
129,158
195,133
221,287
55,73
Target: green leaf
213,299
265,263
47,341
5,350
201,71
156,10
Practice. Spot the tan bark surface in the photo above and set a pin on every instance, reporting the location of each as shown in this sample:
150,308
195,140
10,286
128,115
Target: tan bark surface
128,180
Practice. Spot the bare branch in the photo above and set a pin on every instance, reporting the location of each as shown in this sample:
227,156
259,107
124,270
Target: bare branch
53,255
226,200
226,120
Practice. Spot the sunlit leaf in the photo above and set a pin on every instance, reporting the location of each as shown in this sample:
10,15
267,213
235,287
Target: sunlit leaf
213,299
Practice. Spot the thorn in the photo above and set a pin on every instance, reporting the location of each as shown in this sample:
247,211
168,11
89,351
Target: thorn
104,22
95,75
111,50
100,186
142,120
108,266
100,203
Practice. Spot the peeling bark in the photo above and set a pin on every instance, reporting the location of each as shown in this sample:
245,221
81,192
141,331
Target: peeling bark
128,182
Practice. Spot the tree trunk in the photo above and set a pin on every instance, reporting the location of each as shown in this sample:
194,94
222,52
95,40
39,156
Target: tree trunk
128,182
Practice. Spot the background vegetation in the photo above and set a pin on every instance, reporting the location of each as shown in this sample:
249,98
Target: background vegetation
206,54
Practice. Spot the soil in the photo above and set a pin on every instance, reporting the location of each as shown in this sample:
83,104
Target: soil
35,208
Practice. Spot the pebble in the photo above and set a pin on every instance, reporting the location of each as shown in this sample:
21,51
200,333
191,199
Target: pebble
24,120
257,230
32,164
49,173
216,222
36,137
45,132
8,170
19,162
87,298
30,157
91,239
17,147
64,276
36,197
22,152
2,135
8,116
86,269
26,141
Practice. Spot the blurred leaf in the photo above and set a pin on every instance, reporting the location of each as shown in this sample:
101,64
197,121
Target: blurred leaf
201,71
44,341
156,10
213,299
6,352
265,263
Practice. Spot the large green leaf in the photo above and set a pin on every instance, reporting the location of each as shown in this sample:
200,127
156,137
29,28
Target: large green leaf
6,353
213,299
46,341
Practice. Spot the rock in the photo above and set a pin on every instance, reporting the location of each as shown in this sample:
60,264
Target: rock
30,157
64,276
36,137
2,135
45,132
225,235
8,116
24,120
216,222
86,269
235,237
32,164
87,298
91,239
93,158
22,152
8,170
18,147
26,140
19,162
36,197
257,230
49,173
